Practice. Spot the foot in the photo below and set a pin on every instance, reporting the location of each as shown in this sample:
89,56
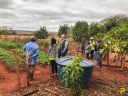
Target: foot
52,75
56,74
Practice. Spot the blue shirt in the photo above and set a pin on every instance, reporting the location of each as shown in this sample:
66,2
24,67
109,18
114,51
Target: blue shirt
33,47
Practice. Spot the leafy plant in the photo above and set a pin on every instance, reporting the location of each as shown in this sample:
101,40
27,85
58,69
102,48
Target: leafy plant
42,33
9,59
43,58
63,29
72,76
80,30
10,45
20,52
46,44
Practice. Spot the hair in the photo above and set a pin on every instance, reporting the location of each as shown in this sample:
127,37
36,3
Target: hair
53,41
33,39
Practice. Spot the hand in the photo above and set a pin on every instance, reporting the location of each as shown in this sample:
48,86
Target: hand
29,58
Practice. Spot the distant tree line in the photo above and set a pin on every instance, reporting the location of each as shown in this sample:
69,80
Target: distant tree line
6,30
82,28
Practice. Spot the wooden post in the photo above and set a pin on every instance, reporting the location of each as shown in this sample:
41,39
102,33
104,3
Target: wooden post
18,77
108,58
123,61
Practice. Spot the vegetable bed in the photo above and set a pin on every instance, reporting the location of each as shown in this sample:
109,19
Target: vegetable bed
10,60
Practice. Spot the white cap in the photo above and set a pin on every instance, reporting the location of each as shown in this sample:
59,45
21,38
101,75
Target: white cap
62,35
91,38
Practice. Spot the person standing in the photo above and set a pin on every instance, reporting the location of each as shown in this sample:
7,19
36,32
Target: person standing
63,50
88,50
53,55
83,40
98,53
32,52
92,43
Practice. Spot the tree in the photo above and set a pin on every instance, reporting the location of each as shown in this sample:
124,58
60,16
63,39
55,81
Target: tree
63,29
5,30
93,29
42,33
79,30
117,41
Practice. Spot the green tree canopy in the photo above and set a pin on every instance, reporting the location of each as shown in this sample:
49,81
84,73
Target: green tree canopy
42,33
63,29
93,29
79,30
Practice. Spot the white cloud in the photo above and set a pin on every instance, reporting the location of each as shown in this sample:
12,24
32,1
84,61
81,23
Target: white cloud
31,14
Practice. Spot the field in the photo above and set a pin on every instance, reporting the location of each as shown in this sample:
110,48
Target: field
104,82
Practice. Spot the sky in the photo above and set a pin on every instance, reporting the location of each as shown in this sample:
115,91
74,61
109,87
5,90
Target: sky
32,14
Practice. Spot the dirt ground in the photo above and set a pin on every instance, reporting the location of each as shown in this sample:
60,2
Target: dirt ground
106,81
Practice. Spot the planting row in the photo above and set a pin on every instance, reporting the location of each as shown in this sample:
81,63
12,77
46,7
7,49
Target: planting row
10,45
17,47
42,58
10,60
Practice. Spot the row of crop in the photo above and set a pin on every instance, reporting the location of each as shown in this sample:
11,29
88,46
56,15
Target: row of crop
10,60
42,58
17,47
10,45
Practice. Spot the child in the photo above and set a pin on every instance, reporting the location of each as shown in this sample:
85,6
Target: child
53,55
88,50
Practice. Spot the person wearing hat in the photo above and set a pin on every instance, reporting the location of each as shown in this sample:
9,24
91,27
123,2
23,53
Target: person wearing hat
63,50
32,52
92,43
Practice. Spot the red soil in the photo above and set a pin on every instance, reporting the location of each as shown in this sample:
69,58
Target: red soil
8,81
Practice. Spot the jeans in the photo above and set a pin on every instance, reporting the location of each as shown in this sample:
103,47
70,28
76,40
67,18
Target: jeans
98,58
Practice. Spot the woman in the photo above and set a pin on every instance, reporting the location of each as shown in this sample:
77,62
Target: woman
53,55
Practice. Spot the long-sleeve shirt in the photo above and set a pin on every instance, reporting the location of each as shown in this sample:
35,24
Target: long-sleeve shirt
32,49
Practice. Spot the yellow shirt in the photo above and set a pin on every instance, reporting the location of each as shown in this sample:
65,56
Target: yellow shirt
92,45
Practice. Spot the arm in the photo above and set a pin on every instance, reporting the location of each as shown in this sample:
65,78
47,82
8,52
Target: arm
36,53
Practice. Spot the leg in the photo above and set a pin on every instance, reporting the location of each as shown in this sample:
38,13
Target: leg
55,67
91,54
87,55
32,71
52,66
29,71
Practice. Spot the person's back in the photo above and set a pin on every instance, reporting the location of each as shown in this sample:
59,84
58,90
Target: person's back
31,46
53,51
53,55
32,51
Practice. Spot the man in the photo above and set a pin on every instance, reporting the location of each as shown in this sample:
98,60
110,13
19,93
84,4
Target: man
32,51
83,40
63,50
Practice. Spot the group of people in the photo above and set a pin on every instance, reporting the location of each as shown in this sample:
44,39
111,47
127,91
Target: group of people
55,51
92,49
